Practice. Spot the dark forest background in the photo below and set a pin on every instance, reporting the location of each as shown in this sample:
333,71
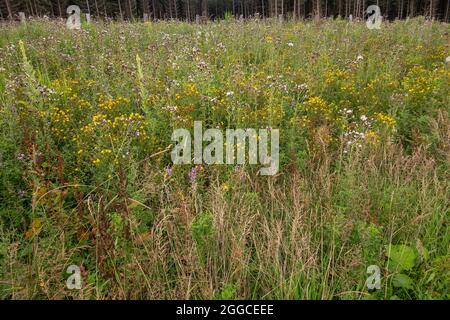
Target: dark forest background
189,9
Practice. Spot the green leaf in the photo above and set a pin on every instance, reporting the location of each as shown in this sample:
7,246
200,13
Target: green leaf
402,281
401,257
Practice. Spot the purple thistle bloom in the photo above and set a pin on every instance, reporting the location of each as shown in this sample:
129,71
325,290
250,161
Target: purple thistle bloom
193,175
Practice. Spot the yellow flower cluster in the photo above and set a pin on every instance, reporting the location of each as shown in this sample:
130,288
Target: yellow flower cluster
334,75
349,87
316,104
302,121
102,157
83,104
385,119
135,119
59,116
59,121
190,90
133,122
418,83
372,137
319,107
107,104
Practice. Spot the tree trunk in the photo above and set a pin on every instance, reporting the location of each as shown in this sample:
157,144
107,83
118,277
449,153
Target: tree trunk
446,12
120,10
96,7
317,10
88,7
154,9
8,8
131,16
188,10
59,9
204,4
294,14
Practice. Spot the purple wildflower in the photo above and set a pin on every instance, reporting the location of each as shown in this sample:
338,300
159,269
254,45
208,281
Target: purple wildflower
193,175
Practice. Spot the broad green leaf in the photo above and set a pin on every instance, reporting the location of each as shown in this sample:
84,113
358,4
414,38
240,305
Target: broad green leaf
401,257
402,281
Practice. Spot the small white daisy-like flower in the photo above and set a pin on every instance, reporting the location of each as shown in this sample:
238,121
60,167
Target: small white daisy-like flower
290,44
363,118
229,93
359,58
303,86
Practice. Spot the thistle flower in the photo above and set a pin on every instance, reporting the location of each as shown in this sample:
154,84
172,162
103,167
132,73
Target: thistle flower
193,175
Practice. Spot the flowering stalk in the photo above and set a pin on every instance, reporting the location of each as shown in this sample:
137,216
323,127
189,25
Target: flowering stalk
140,75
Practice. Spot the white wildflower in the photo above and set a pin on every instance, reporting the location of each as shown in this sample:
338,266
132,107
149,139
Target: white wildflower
303,86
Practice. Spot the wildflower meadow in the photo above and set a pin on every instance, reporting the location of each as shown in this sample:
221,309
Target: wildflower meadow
87,179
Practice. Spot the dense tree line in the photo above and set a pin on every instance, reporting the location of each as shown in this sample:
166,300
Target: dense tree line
189,9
